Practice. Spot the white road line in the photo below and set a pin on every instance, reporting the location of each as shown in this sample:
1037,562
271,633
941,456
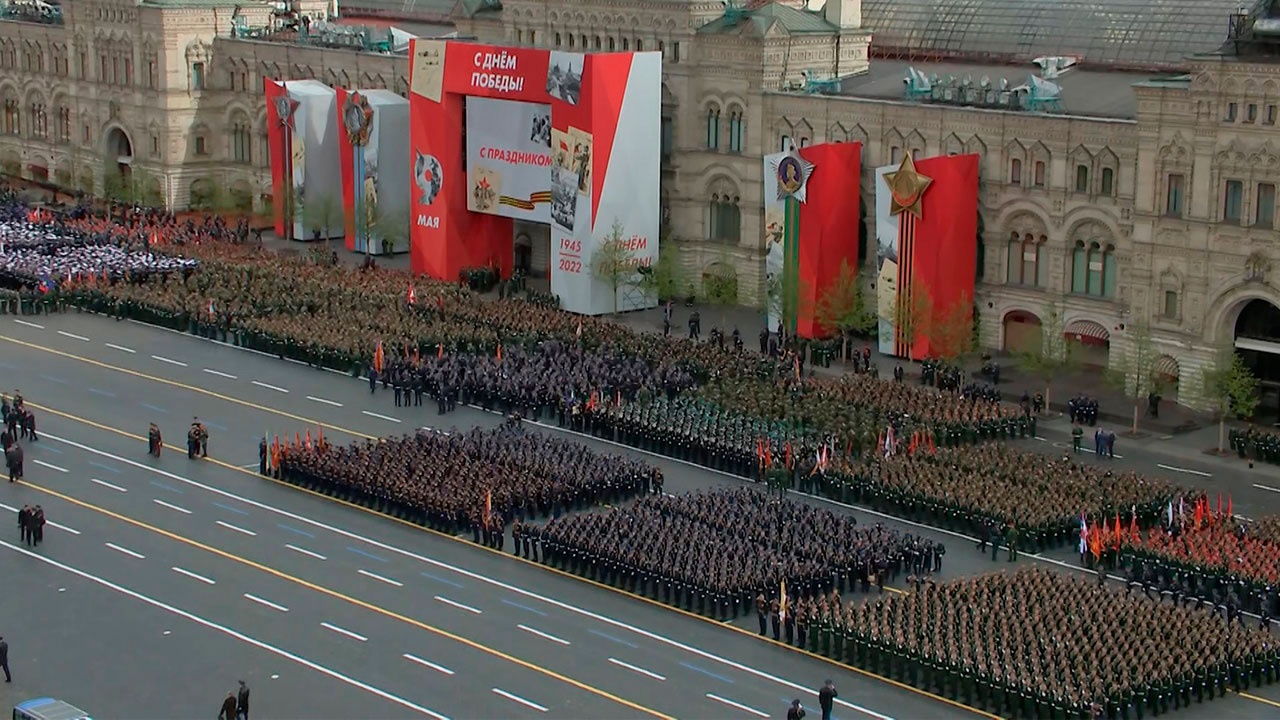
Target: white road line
380,578
427,663
49,465
269,387
73,336
306,552
221,374
62,527
126,551
268,603
223,629
322,400
514,589
171,506
167,360
517,698
106,484
738,705
388,418
1189,471
1267,488
29,324
633,668
193,576
543,635
121,348
458,605
238,529
344,631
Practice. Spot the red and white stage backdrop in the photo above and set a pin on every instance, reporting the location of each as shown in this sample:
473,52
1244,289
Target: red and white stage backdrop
302,136
373,148
562,138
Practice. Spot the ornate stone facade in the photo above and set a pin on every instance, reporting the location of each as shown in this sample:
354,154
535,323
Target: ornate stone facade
1163,215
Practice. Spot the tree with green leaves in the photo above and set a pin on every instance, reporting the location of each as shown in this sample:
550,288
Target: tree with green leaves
209,195
1132,369
951,331
845,307
912,315
720,288
664,277
321,215
1051,356
391,223
614,262
1228,387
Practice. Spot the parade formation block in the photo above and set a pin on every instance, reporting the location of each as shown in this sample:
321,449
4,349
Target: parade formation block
376,166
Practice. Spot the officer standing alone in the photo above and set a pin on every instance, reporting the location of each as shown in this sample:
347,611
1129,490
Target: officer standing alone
827,699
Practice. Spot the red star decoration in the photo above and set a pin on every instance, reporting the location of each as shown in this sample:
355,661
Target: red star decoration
484,183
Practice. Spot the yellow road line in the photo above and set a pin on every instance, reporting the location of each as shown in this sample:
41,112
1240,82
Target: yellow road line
546,568
191,388
351,600
1255,698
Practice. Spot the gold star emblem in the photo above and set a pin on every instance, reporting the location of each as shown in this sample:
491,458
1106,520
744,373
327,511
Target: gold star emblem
906,188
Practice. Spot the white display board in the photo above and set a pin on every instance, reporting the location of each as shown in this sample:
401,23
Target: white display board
509,159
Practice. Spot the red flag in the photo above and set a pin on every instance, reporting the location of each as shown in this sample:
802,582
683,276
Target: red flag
440,301
760,450
1219,504
439,350
488,504
499,355
378,357
1199,512
1119,533
413,296
297,439
1229,513
308,446
1133,526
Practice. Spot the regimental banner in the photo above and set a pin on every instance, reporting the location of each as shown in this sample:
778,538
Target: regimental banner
580,152
508,159
811,229
926,239
375,158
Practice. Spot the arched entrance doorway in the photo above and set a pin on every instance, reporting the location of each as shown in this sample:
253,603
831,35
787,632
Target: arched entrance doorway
1021,332
120,149
1090,343
1168,376
1257,340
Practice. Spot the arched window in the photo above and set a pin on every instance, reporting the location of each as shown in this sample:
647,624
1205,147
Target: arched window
557,39
1037,177
785,144
626,44
1108,181
12,117
572,40
1093,270
39,121
1024,259
613,44
735,130
241,140
1082,178
713,128
724,221
1015,172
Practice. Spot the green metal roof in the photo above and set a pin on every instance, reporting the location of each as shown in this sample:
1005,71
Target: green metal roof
471,8
759,20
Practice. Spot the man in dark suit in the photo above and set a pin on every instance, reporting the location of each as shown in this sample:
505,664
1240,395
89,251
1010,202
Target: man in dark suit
242,702
827,699
4,660
228,711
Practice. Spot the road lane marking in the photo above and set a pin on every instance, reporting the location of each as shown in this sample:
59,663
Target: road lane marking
121,348
102,466
381,578
164,359
171,506
73,336
53,379
163,486
1189,471
52,449
1256,698
324,401
306,552
300,519
439,579
516,698
29,324
106,484
236,528
369,555
63,528
221,374
269,387
738,705
295,530
427,663
388,418
344,631
544,636
526,608
263,601
611,638
51,466
635,669
1267,488
126,551
103,393
154,408
193,576
704,671
225,630
230,509
458,605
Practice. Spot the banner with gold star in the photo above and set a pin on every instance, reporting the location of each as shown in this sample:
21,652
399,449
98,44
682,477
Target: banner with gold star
926,250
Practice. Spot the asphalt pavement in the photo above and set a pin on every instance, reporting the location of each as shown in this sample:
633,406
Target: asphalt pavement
497,624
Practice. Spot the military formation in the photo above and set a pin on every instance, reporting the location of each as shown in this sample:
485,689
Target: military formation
716,552
1255,444
482,479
